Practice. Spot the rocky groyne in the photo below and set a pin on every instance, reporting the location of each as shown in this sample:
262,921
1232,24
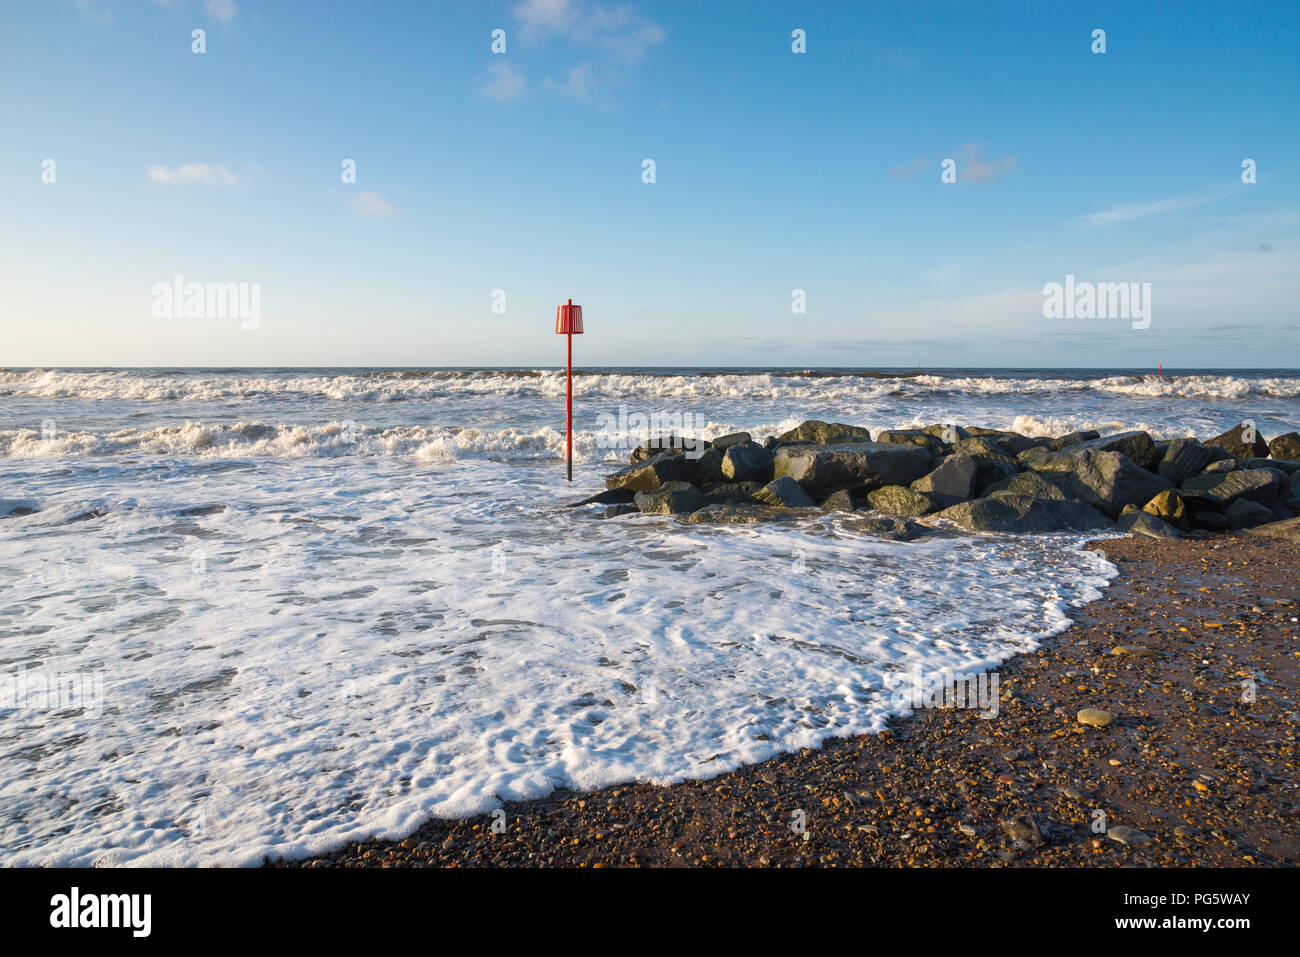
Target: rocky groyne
905,483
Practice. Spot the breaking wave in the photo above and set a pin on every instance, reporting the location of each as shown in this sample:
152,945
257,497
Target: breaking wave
812,385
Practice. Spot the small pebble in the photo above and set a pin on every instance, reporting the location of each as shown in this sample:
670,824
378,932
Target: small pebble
1095,717
1127,835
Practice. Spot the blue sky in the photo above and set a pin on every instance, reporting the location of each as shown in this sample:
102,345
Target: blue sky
775,171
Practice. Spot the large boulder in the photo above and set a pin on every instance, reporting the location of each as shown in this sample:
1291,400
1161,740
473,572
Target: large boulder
670,498
1138,446
615,496
952,482
1027,483
1241,442
1243,513
954,433
708,467
932,443
1219,454
829,468
1138,522
669,443
1286,447
1168,507
1282,465
1074,438
1013,442
739,514
895,529
1105,480
747,462
841,501
650,474
724,442
1183,459
785,492
1009,512
1210,519
1033,457
897,500
1290,495
1287,531
1223,488
730,493
992,462
825,433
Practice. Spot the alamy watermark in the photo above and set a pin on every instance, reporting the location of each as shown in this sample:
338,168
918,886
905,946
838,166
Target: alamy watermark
208,300
1103,300
126,911
944,689
39,689
628,430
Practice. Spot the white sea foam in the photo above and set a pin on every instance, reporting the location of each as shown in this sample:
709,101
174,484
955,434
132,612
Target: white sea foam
346,648
259,439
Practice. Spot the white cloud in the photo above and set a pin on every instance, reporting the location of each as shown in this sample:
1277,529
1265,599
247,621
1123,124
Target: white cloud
551,15
615,38
223,11
1126,212
504,82
193,174
972,167
372,205
621,32
91,10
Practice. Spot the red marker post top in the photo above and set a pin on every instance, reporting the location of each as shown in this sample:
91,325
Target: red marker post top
568,319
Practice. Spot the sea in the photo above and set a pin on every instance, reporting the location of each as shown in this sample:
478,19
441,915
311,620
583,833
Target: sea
256,613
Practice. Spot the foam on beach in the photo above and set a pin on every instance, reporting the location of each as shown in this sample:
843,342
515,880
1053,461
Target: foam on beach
297,653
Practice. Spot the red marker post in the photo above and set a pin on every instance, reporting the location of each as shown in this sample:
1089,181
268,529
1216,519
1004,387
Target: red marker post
568,322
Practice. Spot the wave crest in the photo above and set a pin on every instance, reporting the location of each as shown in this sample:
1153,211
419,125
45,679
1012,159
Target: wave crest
398,385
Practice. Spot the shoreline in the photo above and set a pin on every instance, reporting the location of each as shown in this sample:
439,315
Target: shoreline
1202,775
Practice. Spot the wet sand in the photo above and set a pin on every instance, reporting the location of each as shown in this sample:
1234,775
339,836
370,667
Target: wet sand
1206,777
